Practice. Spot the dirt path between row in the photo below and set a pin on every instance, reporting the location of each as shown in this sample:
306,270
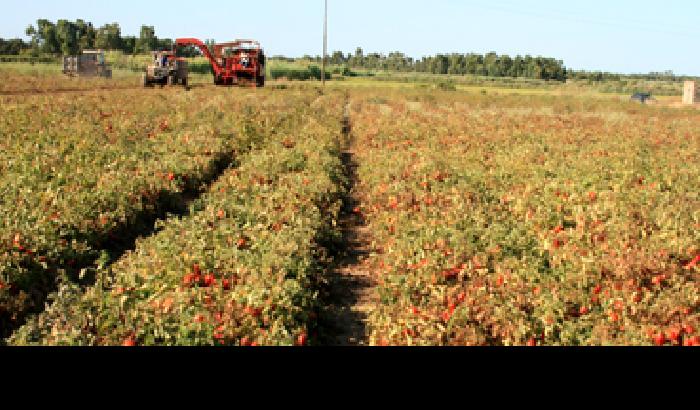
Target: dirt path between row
351,288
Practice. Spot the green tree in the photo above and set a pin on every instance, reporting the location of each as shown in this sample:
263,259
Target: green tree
86,34
43,37
147,40
67,36
128,44
109,37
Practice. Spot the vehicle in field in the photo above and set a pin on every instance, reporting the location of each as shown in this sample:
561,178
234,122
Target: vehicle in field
240,62
89,64
166,68
642,97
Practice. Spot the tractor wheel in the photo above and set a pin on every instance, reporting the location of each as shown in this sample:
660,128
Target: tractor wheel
260,83
184,83
172,80
145,81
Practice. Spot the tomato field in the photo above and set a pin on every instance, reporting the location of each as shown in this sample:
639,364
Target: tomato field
214,216
519,221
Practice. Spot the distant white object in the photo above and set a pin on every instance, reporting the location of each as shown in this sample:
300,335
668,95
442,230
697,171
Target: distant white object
691,93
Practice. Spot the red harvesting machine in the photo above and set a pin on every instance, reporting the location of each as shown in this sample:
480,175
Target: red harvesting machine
235,63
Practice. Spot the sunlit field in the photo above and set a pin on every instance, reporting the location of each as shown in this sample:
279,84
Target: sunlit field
493,216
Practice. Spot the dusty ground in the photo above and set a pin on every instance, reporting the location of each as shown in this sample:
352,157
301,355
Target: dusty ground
350,289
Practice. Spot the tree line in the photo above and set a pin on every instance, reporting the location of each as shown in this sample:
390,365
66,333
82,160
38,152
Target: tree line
66,37
490,64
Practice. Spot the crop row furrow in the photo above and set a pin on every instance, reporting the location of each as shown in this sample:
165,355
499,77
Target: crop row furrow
241,269
97,190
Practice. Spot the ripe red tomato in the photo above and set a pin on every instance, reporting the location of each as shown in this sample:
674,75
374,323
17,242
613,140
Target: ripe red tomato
450,274
209,280
302,339
461,297
688,329
583,311
452,307
532,342
188,280
674,335
252,311
130,342
226,284
660,339
394,204
171,176
446,316
693,263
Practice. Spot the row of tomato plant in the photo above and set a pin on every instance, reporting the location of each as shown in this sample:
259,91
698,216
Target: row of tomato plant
80,173
529,222
241,269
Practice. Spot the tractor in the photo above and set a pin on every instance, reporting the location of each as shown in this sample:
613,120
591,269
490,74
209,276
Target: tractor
166,68
238,62
90,64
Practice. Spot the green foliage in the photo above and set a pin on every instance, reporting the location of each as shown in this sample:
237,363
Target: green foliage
70,38
292,72
457,64
13,46
147,41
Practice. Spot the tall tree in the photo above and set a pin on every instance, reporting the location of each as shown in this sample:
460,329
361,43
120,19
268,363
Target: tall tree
67,36
109,37
147,40
86,34
44,38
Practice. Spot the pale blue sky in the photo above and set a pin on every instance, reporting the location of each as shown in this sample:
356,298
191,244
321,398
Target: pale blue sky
613,35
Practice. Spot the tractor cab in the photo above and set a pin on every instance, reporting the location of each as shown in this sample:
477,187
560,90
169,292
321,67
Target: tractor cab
166,68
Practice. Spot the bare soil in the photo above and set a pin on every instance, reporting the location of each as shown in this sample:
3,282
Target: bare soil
350,290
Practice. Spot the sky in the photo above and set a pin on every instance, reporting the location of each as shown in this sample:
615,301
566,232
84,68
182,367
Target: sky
624,36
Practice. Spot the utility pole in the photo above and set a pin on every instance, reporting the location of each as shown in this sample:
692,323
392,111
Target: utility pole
325,44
